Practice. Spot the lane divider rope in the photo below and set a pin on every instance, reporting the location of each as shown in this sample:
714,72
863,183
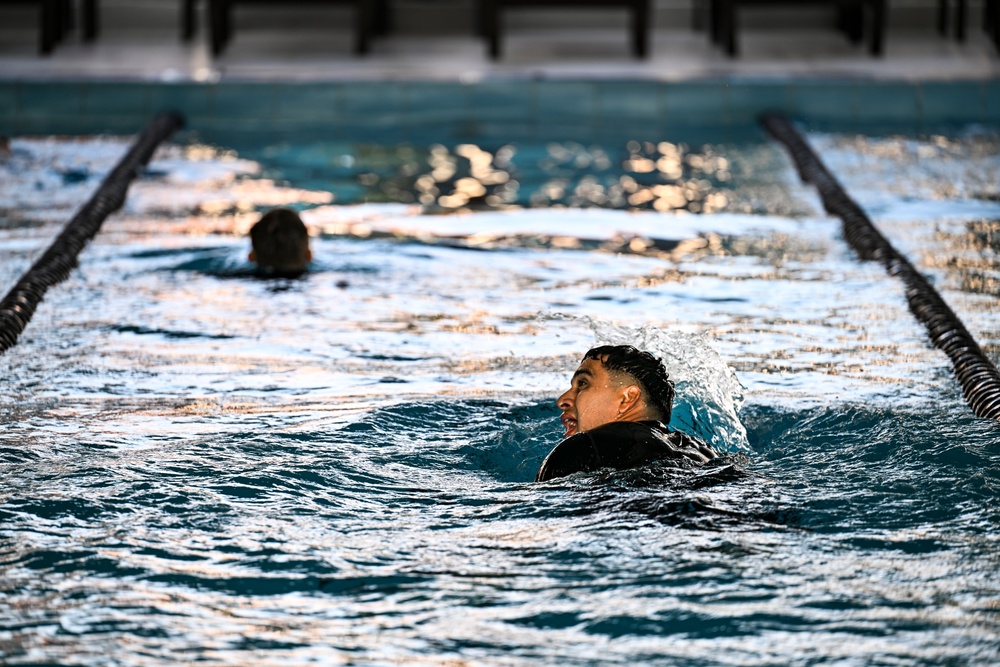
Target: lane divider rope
977,375
55,265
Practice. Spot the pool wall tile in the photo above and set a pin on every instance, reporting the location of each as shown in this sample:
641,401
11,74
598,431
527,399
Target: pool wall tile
8,104
567,103
192,100
826,105
746,101
435,112
229,136
307,103
617,137
371,112
493,134
243,103
46,126
503,102
108,124
950,104
888,107
307,131
55,105
630,109
114,99
696,104
991,102
546,131
427,134
499,111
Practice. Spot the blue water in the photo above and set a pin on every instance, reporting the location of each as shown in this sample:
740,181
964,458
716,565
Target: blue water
200,465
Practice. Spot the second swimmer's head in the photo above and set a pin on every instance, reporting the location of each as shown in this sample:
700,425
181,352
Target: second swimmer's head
280,243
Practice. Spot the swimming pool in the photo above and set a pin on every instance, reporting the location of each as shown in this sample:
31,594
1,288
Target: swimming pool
200,465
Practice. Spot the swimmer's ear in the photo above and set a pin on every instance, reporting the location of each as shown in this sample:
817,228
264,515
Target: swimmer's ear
631,396
252,256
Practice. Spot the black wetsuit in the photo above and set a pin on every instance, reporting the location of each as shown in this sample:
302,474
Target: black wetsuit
622,445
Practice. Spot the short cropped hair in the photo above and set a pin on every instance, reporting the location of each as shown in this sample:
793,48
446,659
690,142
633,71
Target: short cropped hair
281,242
647,371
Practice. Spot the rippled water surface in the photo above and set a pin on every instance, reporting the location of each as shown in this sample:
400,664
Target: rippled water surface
197,464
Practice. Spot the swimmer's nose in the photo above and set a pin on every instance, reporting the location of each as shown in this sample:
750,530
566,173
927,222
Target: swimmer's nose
564,402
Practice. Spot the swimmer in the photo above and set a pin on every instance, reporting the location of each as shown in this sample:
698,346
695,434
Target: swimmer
280,244
615,415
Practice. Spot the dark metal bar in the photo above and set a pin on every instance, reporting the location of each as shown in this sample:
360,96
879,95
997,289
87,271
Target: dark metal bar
91,18
490,20
189,20
725,20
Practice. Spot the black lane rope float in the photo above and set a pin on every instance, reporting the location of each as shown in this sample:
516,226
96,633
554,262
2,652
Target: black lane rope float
978,376
55,265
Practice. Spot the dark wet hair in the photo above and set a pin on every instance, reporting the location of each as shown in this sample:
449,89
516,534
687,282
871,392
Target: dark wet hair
281,242
648,372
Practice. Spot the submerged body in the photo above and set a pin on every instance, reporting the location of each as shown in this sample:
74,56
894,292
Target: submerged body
623,445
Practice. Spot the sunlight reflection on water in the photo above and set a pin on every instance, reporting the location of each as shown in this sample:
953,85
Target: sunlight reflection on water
199,464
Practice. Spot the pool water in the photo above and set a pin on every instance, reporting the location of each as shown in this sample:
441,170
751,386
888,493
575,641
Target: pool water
196,464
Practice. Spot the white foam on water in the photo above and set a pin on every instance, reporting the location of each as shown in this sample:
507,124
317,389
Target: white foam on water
584,224
709,395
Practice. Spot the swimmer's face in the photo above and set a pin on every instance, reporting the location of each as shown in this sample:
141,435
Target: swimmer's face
595,398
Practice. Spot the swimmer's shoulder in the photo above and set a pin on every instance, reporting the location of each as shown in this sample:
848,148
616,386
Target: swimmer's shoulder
574,454
690,446
622,445
632,444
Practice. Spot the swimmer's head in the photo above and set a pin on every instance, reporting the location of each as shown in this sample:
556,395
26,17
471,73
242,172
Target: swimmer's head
280,243
616,383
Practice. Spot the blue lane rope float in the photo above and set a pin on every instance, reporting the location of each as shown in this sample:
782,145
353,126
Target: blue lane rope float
55,265
978,376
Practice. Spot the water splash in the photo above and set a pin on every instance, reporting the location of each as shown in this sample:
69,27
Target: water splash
709,395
